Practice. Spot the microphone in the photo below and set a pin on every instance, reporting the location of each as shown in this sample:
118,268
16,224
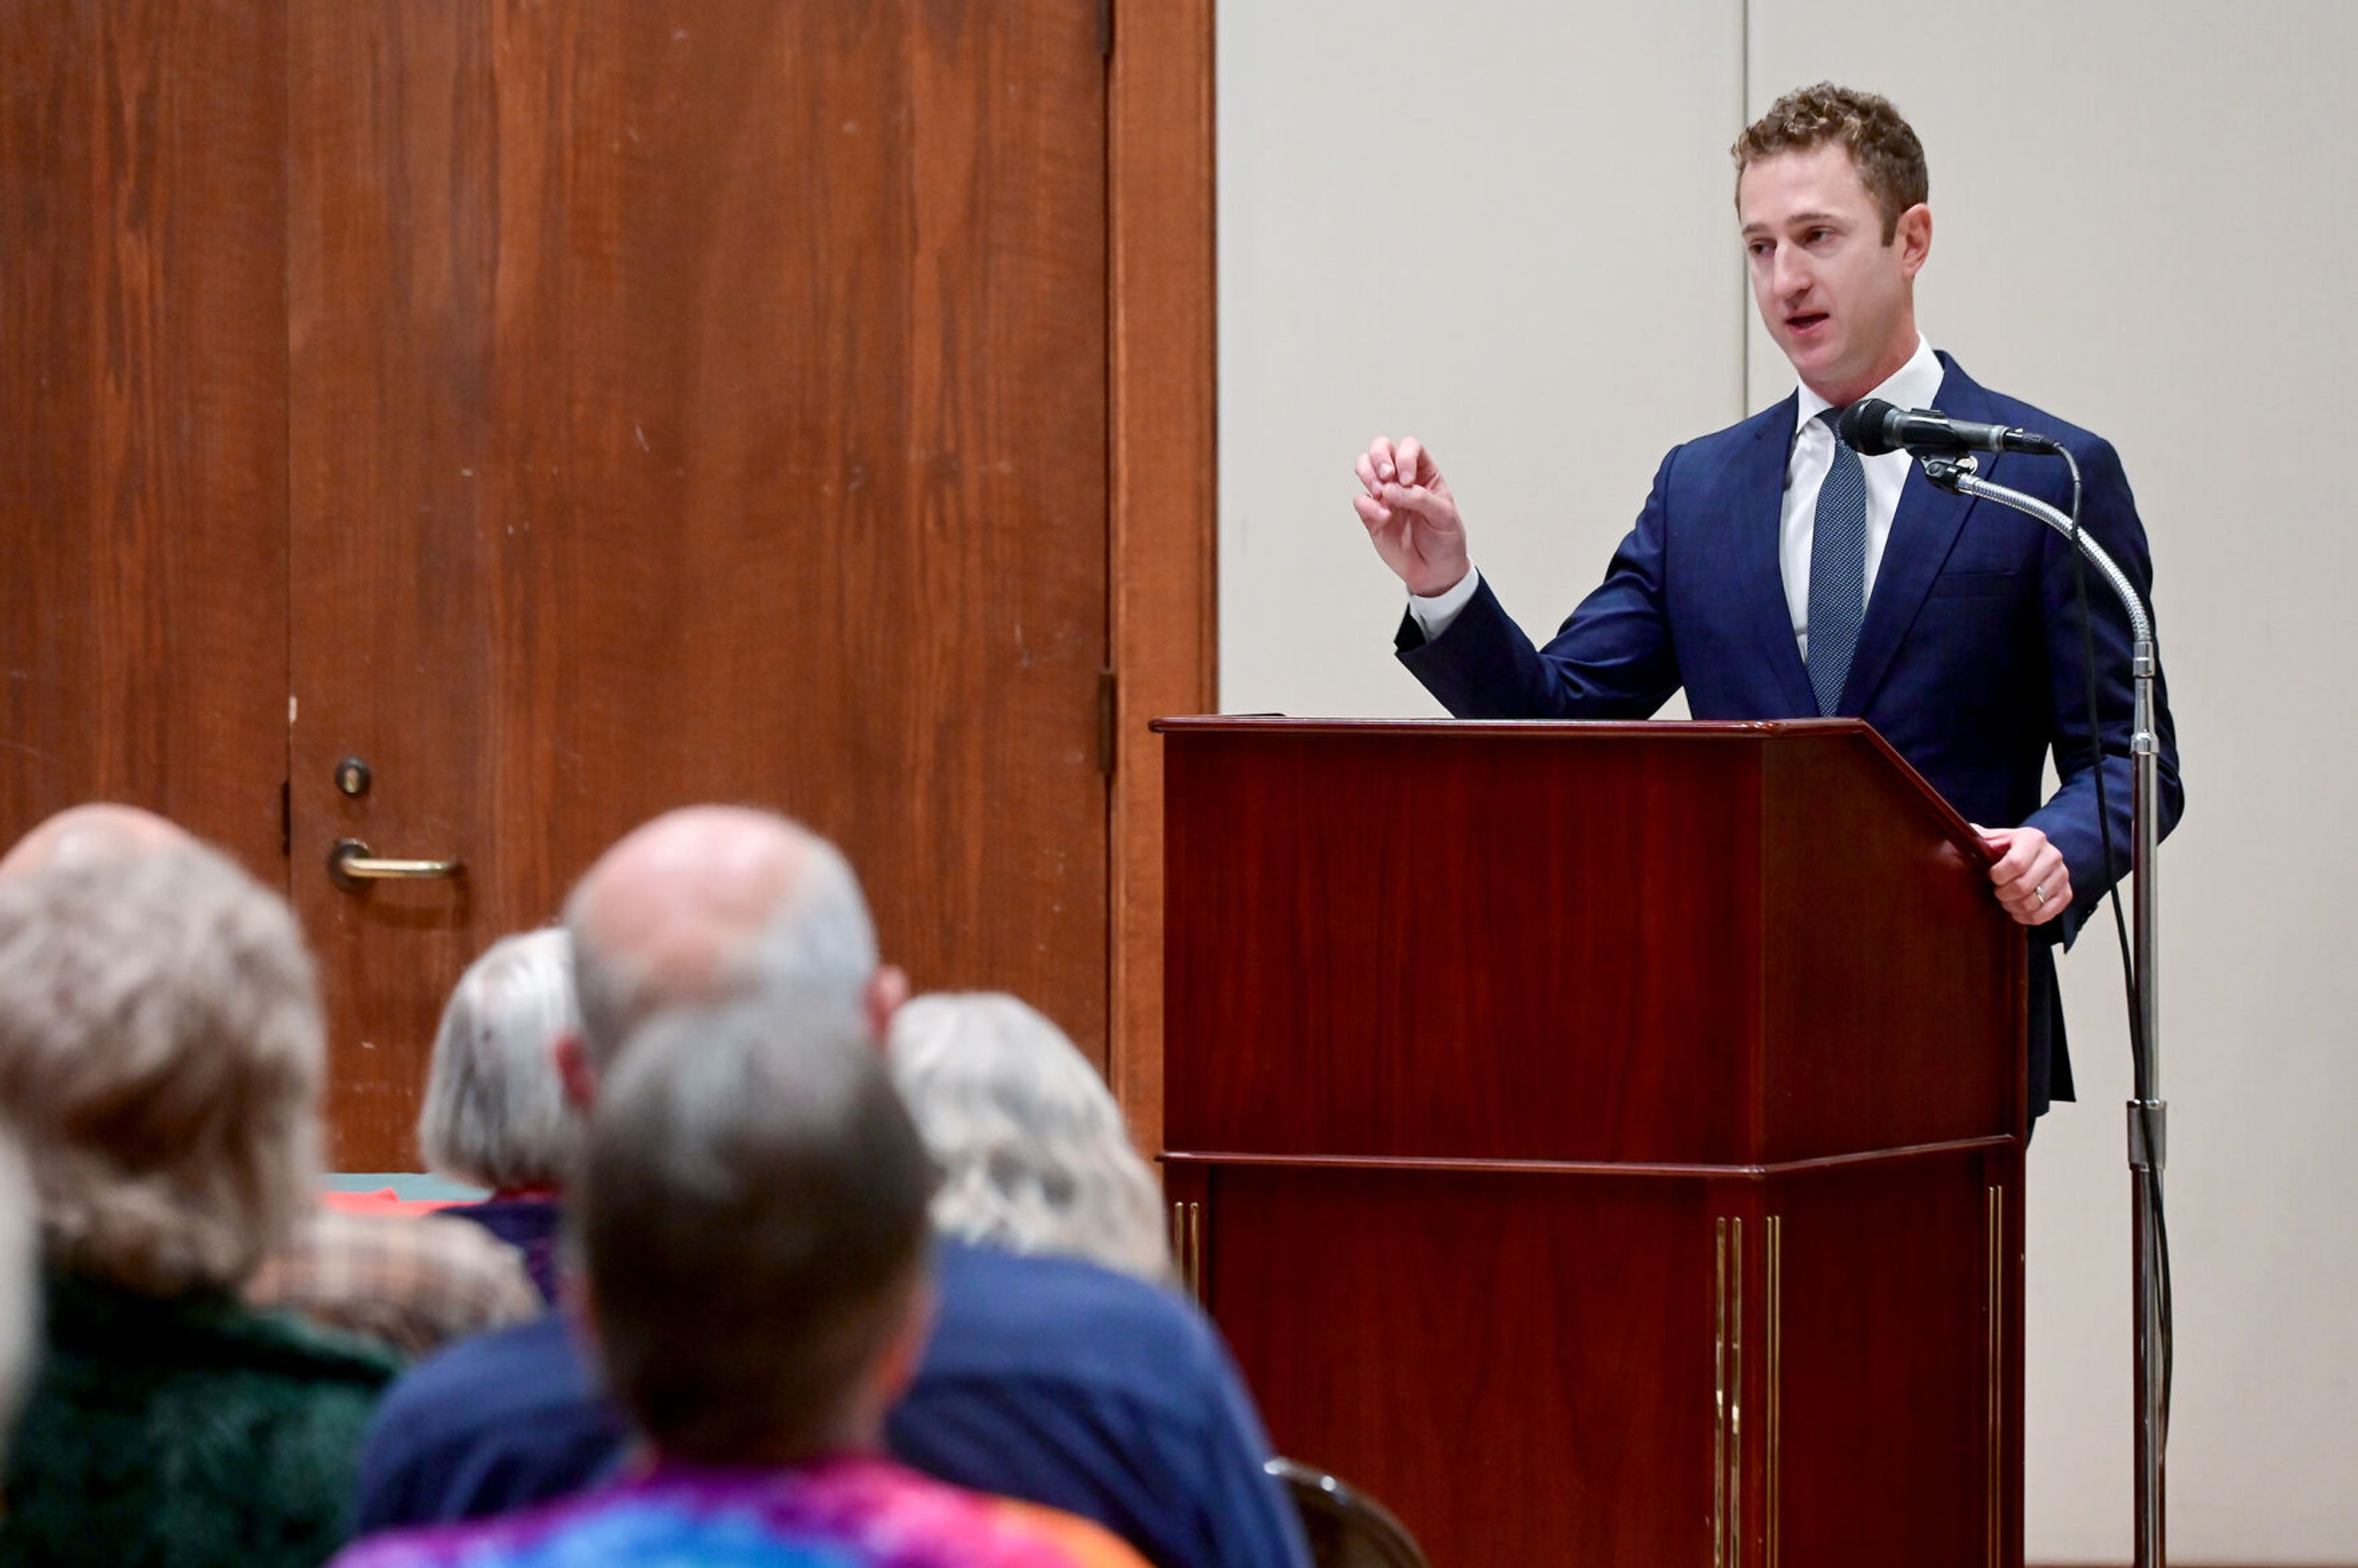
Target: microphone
1872,427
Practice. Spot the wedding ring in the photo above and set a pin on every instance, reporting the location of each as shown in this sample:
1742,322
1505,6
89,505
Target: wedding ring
2042,896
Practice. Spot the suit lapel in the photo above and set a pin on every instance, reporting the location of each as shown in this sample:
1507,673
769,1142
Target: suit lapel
1922,530
1757,505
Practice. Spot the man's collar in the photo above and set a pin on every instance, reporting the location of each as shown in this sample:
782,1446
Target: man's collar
1913,386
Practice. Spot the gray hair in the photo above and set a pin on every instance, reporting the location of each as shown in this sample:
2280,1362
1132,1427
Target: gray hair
751,1213
20,1286
161,1054
496,1112
1033,1152
814,953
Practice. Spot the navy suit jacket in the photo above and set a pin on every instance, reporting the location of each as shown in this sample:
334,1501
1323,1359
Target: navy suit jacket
1968,661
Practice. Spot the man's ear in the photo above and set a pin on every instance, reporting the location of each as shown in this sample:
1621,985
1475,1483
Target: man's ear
1914,235
884,1380
887,990
582,1312
896,1368
574,1071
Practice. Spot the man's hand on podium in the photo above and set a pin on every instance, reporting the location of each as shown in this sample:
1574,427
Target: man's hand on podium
1411,517
2033,883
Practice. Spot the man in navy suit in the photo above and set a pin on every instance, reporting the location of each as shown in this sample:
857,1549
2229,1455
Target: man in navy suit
1775,573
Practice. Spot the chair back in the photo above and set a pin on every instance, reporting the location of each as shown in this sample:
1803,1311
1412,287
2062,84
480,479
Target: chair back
1346,1529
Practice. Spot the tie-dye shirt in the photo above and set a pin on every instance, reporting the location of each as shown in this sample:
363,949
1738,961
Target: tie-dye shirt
850,1512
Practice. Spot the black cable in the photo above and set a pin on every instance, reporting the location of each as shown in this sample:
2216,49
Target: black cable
2138,1060
2162,1289
2096,757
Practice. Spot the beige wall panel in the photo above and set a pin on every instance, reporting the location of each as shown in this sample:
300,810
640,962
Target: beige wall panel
1504,228
2143,216
1507,229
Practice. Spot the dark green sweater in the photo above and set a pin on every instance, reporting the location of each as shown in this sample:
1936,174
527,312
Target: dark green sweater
185,1434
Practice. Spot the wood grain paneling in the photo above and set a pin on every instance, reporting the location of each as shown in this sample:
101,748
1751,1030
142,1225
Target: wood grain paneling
1165,483
1900,1042
698,401
1390,908
142,604
1629,943
1885,1408
1463,1347
1475,1059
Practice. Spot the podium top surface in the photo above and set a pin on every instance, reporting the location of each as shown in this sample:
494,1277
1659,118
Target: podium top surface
1756,731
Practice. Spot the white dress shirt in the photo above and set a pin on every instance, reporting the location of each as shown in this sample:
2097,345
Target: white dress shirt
1913,386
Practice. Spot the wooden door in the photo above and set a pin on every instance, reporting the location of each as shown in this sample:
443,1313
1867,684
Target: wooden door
143,392
575,410
701,400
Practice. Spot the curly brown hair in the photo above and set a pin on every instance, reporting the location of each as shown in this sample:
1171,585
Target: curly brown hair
1889,159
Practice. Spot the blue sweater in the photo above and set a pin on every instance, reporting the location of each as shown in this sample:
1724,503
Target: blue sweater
1047,1378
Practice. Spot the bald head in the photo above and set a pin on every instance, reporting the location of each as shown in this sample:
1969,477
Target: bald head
712,904
90,835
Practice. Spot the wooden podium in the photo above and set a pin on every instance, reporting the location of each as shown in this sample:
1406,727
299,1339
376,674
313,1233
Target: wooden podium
1602,1142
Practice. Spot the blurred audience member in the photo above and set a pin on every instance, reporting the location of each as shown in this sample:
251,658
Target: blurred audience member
413,1281
753,1222
1047,1378
496,1113
160,1054
712,904
699,906
1091,1391
1034,1154
89,835
20,1290
412,1286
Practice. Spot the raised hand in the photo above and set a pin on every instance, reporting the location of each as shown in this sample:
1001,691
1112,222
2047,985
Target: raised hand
1410,516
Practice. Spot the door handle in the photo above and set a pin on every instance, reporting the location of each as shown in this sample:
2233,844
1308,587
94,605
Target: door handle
352,866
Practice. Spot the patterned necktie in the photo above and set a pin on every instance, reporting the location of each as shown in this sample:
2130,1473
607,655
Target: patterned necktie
1837,571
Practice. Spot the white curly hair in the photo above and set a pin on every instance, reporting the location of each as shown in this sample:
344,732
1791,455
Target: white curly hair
1033,1154
495,1112
162,1055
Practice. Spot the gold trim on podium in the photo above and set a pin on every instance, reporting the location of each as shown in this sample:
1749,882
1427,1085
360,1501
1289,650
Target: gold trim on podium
1727,1371
1996,1230
1775,1414
1187,1247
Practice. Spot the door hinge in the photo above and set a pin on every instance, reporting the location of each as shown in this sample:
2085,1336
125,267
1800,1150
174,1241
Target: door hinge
1105,28
1105,713
287,817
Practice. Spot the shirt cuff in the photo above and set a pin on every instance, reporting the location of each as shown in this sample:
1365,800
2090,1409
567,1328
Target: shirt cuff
1435,613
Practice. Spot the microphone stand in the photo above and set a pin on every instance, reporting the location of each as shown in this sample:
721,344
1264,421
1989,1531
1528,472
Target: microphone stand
2148,1112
